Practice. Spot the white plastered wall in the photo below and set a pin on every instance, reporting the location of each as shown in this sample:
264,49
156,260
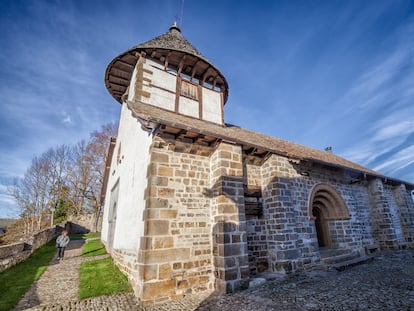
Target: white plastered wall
188,107
212,106
159,84
131,170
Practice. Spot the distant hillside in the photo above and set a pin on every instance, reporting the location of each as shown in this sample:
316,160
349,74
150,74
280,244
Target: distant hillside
4,222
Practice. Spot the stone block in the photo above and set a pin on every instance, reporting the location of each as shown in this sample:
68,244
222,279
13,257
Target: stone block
156,203
234,249
167,255
231,274
165,171
148,272
188,265
225,155
168,214
157,227
151,213
159,157
166,192
164,272
163,242
158,181
183,284
145,243
230,262
154,290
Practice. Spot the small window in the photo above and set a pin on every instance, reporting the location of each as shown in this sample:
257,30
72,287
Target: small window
189,90
118,156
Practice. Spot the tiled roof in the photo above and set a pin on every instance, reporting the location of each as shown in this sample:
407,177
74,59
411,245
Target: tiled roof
242,136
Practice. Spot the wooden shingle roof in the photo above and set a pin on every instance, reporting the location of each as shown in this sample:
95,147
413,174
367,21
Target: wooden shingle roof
171,50
156,116
152,117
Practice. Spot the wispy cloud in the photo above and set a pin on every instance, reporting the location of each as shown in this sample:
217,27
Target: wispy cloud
397,161
382,97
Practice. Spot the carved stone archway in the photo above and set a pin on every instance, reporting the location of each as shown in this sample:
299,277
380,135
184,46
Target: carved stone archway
325,204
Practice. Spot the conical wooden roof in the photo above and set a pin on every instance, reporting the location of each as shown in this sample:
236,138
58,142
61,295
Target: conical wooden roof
173,51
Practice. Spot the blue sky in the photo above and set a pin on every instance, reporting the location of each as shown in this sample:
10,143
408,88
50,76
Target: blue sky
319,73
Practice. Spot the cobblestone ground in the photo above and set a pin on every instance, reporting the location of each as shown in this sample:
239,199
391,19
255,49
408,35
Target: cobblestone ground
386,283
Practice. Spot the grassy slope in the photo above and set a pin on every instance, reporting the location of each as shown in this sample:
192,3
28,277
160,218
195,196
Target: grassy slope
93,248
101,277
16,281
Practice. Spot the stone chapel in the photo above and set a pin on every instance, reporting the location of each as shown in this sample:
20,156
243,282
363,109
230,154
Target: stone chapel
195,204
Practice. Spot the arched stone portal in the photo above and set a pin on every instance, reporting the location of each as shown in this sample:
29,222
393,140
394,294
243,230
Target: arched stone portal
326,204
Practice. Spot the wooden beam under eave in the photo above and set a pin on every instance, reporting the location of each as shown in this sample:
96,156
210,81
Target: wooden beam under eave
121,73
117,77
166,60
180,134
125,63
214,81
118,84
117,87
180,65
204,75
194,69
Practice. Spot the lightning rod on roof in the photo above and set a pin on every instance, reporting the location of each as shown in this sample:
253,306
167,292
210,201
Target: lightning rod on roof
180,23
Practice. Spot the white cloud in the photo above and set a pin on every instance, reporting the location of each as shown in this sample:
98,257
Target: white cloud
398,129
398,161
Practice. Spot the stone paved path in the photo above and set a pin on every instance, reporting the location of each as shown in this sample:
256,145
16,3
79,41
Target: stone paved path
60,282
386,283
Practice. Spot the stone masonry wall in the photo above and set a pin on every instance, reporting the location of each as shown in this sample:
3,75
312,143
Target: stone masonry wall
405,208
256,226
257,245
175,252
395,213
291,235
14,253
85,223
382,219
353,233
284,217
228,214
127,262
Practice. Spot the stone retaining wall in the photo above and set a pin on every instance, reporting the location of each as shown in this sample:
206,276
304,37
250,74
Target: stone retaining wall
14,253
84,223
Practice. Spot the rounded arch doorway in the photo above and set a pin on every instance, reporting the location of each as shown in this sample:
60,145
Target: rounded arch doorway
326,204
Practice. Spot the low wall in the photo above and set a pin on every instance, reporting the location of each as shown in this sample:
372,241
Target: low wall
84,223
14,253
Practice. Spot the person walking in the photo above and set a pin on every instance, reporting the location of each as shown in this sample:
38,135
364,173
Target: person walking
61,242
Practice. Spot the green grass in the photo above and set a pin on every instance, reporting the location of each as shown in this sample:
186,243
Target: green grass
16,281
80,236
76,236
92,235
101,277
93,248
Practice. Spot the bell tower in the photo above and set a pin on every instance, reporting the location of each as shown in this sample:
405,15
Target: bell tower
170,73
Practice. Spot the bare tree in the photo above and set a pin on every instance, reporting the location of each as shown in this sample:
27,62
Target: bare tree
65,178
96,152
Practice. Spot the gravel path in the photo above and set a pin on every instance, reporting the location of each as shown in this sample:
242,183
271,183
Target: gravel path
386,283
